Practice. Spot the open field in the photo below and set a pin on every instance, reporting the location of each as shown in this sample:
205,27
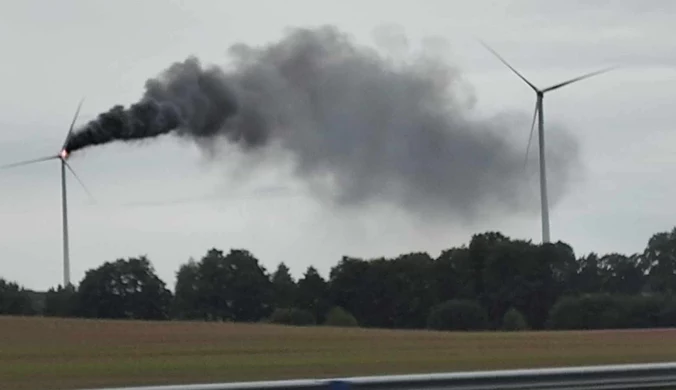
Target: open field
42,353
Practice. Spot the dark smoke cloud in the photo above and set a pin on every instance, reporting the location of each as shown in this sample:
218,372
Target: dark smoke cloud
374,128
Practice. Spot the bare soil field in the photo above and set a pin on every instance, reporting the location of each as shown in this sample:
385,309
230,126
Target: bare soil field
45,353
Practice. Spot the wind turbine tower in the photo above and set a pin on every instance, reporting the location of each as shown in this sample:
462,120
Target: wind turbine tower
539,114
63,157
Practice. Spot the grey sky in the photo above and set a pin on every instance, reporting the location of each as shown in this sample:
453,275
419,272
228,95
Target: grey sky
106,50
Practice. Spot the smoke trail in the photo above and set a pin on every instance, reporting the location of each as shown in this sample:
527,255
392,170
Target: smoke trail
377,129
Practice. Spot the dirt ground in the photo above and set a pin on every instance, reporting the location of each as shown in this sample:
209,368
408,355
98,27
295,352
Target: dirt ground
43,353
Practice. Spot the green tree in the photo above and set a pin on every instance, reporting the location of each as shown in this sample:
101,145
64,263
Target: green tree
525,276
623,274
451,275
186,303
552,270
124,289
232,287
312,294
588,278
284,287
14,299
509,270
386,292
350,288
413,282
660,261
61,302
380,295
480,249
458,314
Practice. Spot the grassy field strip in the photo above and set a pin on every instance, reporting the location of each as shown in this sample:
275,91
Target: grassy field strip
43,353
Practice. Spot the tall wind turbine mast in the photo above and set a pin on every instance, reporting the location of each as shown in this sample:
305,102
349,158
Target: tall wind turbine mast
539,115
63,157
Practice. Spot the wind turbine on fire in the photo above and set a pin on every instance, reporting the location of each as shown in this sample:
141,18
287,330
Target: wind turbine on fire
63,157
539,115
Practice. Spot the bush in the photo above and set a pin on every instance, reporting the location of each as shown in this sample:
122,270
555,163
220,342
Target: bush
457,314
514,320
667,316
603,311
338,316
643,311
292,316
592,311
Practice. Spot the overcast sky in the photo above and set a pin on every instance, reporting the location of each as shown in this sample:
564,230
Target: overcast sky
56,52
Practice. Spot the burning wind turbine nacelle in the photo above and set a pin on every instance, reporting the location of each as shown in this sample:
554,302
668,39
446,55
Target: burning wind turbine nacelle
63,154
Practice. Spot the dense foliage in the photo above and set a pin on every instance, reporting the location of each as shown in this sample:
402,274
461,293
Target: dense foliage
493,283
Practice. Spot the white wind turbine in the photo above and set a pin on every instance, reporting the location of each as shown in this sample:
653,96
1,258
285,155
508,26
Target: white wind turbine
539,114
63,157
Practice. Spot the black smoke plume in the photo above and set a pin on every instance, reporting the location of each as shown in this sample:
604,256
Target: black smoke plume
379,129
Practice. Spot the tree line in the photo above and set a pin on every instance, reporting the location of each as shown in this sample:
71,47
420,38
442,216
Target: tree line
494,282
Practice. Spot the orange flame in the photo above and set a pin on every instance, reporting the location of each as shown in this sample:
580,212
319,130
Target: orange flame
63,154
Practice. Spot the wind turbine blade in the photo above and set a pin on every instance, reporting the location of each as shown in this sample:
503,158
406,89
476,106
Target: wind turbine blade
579,78
530,137
91,197
508,65
37,160
70,130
